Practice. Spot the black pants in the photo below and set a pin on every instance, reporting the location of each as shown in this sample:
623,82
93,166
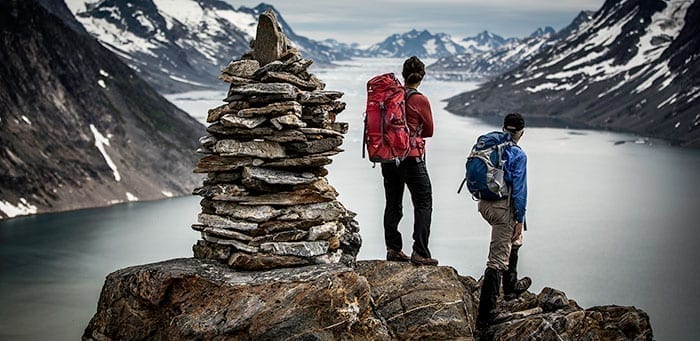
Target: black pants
412,173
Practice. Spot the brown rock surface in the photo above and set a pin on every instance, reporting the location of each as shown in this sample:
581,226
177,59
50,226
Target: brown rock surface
377,300
191,299
419,302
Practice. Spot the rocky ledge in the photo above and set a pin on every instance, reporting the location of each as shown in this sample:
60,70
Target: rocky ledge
203,299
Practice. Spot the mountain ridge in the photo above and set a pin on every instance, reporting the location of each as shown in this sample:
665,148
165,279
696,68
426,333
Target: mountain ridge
177,50
184,47
422,44
633,68
479,65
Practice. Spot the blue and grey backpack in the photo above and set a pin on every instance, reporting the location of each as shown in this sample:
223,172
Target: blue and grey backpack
485,174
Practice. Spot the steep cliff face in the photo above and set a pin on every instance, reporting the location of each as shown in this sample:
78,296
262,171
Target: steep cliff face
78,128
376,300
633,67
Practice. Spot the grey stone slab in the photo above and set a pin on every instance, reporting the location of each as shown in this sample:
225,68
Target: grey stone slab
259,149
301,249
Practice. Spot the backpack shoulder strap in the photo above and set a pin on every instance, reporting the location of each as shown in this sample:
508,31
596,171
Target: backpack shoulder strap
408,93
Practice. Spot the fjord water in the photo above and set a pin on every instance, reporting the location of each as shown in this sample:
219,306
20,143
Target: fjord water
609,222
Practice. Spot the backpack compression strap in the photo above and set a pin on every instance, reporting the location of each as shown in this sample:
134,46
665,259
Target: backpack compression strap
364,137
419,129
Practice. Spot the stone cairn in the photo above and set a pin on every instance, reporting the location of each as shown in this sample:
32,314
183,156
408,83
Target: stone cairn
267,203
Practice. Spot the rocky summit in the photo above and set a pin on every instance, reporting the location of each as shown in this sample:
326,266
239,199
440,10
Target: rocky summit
188,299
267,203
277,255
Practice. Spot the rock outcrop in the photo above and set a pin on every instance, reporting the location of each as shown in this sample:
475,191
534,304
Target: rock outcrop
267,203
192,299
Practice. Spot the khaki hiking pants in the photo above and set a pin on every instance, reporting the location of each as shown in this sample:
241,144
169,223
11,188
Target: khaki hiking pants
499,214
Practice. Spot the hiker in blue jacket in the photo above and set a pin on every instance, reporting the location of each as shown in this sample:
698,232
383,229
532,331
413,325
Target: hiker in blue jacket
507,218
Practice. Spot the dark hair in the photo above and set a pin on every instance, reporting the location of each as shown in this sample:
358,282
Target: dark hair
413,70
514,122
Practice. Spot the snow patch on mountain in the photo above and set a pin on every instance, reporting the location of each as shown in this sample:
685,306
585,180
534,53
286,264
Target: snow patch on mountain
21,208
189,13
601,65
100,142
631,66
119,40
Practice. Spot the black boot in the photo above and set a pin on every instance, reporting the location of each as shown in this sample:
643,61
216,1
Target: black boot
487,301
512,287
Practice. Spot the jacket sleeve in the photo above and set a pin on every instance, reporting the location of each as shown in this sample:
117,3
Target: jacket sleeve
421,105
518,171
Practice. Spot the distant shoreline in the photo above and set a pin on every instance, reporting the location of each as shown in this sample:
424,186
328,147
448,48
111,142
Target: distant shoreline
543,121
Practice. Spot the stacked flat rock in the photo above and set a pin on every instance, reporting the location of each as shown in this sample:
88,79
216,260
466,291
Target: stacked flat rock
267,203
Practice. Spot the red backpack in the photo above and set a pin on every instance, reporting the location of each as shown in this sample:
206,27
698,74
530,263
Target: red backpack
386,134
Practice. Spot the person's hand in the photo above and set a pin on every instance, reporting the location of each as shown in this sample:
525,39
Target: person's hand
517,231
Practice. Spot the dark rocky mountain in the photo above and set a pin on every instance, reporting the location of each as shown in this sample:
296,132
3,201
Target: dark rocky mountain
415,43
634,67
79,128
184,45
546,31
58,8
487,63
577,23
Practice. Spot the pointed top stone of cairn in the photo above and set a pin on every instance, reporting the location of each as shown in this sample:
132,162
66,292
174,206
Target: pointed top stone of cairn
270,42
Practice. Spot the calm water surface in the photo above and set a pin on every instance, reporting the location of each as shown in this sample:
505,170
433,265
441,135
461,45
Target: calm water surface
608,223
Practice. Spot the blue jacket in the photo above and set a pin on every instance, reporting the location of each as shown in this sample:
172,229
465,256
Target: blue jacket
516,177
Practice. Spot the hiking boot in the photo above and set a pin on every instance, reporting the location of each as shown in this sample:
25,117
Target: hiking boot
420,260
512,287
487,312
519,287
397,256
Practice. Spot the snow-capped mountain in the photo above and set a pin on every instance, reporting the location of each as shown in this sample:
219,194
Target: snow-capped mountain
180,45
344,49
490,62
635,66
422,44
484,41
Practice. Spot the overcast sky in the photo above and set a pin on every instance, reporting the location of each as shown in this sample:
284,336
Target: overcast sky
371,21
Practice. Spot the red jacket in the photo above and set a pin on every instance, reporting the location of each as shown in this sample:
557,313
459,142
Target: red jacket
420,121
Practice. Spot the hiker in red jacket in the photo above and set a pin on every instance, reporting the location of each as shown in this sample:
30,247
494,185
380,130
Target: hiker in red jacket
411,172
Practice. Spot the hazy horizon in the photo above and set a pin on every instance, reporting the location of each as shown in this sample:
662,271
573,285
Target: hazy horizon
367,22
370,22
